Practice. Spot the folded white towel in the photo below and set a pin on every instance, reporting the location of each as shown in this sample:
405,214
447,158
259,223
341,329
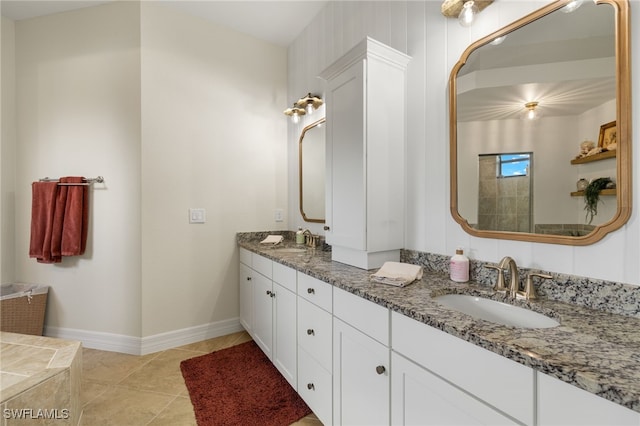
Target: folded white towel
397,274
272,239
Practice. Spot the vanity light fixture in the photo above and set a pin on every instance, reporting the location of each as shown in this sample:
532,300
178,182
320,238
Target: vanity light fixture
531,112
310,103
463,10
468,13
295,112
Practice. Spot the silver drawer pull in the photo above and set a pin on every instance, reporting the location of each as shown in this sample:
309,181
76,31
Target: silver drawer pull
311,291
310,386
380,369
310,332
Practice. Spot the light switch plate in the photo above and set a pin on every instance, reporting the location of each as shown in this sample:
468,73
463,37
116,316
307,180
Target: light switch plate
197,216
278,215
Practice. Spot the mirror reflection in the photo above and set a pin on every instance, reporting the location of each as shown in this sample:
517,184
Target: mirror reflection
545,88
505,192
311,151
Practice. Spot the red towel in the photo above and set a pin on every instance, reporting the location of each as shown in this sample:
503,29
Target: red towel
59,220
76,217
43,206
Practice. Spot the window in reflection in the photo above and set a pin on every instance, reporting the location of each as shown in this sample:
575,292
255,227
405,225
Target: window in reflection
505,192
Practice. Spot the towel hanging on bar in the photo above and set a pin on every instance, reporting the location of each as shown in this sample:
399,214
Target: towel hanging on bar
85,182
59,219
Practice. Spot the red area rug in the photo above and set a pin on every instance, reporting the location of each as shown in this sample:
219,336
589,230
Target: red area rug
240,386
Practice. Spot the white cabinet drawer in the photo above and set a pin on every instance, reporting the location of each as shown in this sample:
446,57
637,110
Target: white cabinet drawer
362,314
315,291
314,386
500,382
315,332
284,276
245,256
262,265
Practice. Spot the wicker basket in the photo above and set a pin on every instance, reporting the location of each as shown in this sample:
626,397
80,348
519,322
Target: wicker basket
24,314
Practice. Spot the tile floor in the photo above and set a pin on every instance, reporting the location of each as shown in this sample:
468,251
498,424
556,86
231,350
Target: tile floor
128,390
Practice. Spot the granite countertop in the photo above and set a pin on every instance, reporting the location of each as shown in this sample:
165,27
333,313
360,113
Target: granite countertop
591,349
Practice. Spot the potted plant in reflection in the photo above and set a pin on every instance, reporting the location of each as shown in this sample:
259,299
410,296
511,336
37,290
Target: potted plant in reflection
592,195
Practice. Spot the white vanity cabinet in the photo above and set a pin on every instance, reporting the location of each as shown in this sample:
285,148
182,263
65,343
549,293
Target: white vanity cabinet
268,310
365,150
314,324
562,404
455,369
246,292
360,360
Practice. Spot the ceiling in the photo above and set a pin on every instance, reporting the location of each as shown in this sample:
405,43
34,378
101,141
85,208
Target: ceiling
564,61
286,19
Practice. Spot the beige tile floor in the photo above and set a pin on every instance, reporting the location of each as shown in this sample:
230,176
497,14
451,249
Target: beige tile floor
128,390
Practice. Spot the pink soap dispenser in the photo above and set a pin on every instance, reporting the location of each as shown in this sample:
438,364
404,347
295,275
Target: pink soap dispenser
459,267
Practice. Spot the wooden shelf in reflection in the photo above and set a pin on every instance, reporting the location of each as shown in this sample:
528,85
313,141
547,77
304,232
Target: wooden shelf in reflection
603,192
595,157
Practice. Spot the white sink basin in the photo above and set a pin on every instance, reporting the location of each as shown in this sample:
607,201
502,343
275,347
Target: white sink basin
291,250
494,311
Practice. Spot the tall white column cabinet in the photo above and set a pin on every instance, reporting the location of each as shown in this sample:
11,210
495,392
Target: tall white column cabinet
365,154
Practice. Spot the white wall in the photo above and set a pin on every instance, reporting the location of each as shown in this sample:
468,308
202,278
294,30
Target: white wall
175,112
435,44
213,137
7,153
78,113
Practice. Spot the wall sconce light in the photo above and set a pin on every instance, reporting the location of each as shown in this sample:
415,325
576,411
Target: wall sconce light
295,112
304,105
464,10
531,112
310,103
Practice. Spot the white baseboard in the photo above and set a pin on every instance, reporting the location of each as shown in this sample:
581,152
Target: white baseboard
172,339
149,344
97,339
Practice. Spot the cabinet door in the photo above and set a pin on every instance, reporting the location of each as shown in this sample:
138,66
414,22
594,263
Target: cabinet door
246,298
492,378
418,397
345,157
562,404
360,378
284,337
263,313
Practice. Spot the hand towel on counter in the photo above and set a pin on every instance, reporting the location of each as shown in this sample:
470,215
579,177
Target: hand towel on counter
59,220
272,239
397,274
